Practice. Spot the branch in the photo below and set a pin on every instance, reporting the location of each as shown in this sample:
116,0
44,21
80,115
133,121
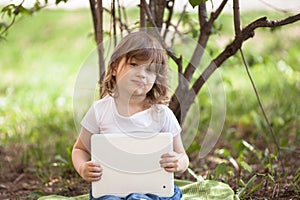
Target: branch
203,37
205,30
170,7
142,14
274,7
160,5
113,11
202,16
176,27
236,15
120,18
216,14
264,22
94,16
236,44
99,38
261,106
178,61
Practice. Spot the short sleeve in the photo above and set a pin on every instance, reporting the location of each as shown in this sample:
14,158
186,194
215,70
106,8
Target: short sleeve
170,124
90,122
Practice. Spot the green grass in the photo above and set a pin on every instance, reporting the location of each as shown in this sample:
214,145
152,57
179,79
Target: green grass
39,63
43,53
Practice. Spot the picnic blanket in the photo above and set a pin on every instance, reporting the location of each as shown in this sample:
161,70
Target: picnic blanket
201,190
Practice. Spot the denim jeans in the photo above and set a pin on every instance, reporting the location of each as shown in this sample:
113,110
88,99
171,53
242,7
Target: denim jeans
135,196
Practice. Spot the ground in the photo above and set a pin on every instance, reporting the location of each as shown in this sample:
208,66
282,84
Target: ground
19,181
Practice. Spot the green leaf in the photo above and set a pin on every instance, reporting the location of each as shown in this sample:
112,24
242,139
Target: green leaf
58,1
223,152
195,3
246,166
198,178
271,177
247,145
220,170
8,9
242,191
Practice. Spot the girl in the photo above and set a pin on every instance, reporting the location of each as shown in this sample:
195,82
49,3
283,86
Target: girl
133,95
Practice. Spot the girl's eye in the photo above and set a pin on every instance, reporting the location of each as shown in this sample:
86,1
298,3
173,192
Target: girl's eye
151,68
132,64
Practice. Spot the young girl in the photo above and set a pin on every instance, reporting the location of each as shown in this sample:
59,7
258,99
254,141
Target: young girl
133,95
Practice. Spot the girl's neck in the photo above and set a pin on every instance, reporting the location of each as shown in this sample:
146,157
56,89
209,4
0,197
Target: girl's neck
130,106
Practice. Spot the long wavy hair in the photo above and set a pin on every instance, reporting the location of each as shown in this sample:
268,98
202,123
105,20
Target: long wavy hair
140,46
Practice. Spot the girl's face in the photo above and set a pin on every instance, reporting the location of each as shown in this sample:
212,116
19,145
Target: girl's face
134,78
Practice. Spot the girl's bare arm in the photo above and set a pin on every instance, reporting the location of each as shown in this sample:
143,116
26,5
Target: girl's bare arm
176,161
88,170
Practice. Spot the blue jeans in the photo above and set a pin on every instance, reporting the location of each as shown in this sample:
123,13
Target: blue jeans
135,196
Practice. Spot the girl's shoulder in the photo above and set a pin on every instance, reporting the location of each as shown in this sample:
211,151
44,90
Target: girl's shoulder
105,101
162,108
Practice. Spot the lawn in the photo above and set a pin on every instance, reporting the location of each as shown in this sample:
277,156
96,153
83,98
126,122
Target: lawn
40,60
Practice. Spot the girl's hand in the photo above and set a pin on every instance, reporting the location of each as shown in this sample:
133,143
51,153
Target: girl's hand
172,162
90,171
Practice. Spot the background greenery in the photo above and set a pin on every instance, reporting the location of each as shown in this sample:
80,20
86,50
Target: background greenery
39,62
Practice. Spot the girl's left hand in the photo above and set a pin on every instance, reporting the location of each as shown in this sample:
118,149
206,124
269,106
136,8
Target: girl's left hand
171,162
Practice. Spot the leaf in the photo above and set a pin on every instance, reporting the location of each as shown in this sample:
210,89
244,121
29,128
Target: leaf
271,177
255,187
220,170
8,9
246,166
195,3
58,1
223,152
198,178
242,191
247,145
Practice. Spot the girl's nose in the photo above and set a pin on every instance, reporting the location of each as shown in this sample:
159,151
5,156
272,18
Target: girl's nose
141,71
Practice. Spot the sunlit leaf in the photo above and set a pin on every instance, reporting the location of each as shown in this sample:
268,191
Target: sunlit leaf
220,170
247,145
197,177
58,1
246,166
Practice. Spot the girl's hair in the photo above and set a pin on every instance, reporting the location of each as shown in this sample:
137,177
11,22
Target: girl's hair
140,46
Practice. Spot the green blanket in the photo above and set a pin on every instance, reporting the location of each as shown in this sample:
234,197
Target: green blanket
201,190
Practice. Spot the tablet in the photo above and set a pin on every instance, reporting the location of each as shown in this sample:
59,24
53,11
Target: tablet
130,164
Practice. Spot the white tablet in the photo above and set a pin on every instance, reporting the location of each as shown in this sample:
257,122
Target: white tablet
131,164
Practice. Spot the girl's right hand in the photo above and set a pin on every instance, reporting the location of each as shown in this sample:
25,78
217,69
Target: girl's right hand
91,171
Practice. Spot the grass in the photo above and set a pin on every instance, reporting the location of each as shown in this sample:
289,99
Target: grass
39,64
40,61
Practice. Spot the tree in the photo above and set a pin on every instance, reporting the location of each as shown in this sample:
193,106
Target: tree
159,14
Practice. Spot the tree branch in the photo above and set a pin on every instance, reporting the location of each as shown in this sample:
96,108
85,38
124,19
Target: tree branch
236,16
203,37
178,61
170,7
177,25
160,8
94,16
216,14
113,11
236,44
120,18
142,14
99,38
202,16
205,30
261,106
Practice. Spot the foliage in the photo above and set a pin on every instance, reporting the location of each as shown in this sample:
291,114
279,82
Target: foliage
38,75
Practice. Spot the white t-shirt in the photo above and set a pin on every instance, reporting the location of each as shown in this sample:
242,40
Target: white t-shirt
103,117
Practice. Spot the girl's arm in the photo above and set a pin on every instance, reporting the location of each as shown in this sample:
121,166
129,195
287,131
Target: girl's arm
176,161
88,170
